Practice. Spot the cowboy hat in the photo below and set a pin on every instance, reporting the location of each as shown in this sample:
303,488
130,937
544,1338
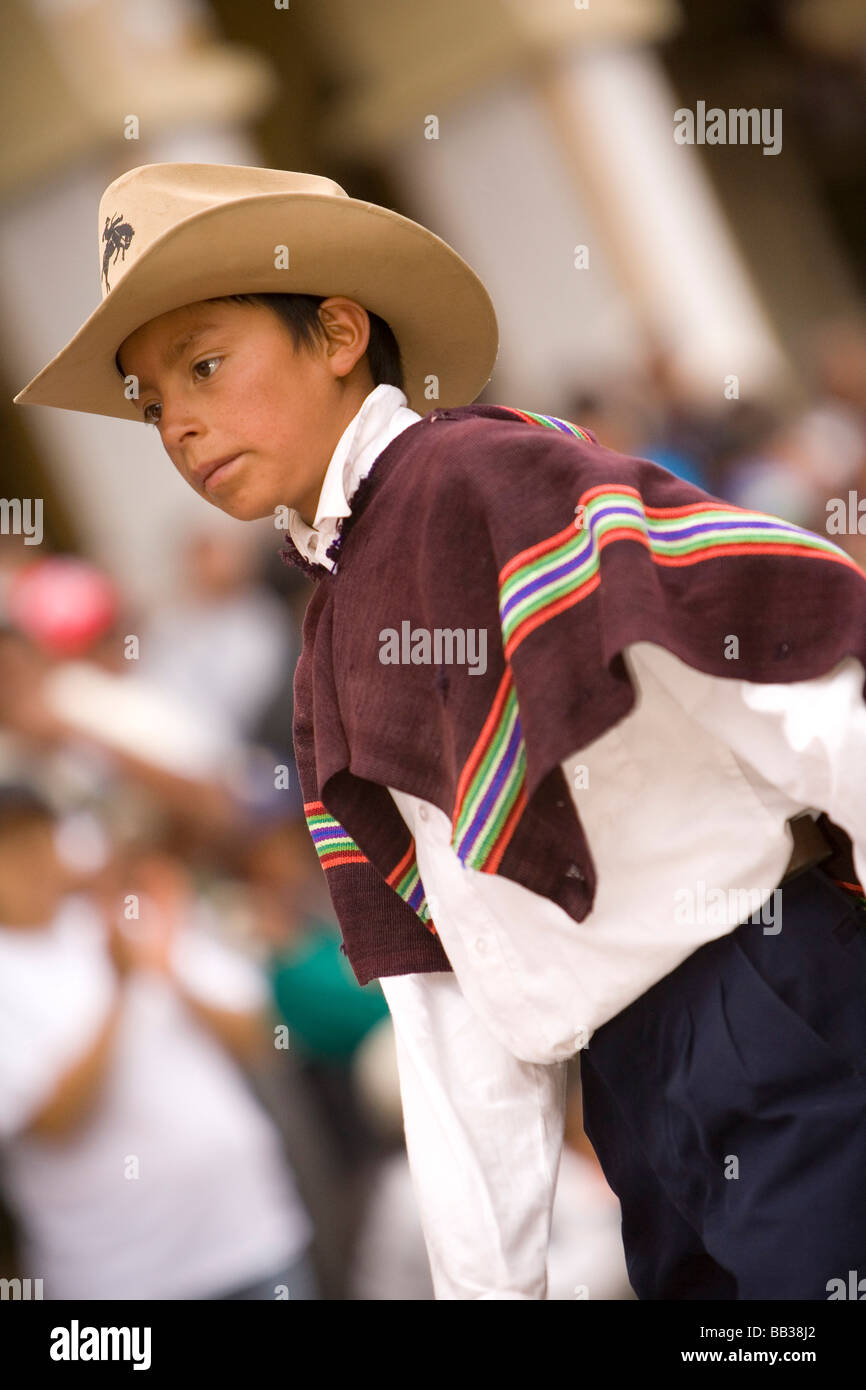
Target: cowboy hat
172,234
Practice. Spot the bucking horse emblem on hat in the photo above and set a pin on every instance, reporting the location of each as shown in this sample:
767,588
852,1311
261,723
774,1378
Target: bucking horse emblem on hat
117,235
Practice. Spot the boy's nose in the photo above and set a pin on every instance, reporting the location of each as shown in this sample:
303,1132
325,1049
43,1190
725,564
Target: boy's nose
179,429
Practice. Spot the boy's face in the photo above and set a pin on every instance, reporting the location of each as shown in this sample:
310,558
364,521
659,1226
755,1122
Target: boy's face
32,876
239,388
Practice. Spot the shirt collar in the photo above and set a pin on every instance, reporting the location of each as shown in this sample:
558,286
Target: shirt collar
383,414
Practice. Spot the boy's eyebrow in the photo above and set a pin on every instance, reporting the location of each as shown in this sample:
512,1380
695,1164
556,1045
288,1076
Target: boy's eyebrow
172,353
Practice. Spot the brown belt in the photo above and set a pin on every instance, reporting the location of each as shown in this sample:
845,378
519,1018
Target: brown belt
811,846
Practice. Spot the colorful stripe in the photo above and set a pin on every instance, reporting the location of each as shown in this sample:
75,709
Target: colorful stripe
856,890
405,879
559,572
555,574
491,793
550,422
335,847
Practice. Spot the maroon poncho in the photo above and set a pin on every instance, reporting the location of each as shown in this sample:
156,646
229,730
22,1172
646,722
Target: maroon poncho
485,525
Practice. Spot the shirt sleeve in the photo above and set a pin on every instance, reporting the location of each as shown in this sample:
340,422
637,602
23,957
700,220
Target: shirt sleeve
807,738
484,1134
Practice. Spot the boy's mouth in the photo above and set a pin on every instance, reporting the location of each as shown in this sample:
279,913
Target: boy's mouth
212,473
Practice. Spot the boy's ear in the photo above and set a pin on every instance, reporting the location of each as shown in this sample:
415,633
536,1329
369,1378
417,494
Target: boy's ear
346,322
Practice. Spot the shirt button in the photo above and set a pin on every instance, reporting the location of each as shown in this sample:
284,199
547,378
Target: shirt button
423,813
480,946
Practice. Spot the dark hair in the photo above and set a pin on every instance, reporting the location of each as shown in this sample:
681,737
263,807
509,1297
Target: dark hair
298,313
20,803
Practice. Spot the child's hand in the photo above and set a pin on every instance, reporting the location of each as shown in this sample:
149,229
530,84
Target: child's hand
161,890
121,949
142,944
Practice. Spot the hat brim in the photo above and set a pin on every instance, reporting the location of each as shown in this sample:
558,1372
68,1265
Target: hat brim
440,312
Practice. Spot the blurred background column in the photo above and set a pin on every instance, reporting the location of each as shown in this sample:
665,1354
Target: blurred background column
79,77
555,131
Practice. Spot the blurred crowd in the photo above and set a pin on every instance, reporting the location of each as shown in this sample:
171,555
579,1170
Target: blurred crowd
197,1099
797,461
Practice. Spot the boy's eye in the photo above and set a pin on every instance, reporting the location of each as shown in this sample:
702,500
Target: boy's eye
204,362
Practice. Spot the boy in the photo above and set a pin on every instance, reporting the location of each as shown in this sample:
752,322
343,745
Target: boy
581,813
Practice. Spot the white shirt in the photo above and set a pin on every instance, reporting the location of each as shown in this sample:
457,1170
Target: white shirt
176,1184
684,804
383,414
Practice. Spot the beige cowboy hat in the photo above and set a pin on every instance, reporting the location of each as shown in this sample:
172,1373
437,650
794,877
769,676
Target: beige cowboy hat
172,234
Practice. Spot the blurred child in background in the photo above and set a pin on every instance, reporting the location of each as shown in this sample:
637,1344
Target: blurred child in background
136,1160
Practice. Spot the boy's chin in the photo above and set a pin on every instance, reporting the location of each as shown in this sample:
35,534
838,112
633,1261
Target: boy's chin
243,508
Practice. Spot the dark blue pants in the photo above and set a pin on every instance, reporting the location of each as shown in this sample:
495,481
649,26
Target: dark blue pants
727,1107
